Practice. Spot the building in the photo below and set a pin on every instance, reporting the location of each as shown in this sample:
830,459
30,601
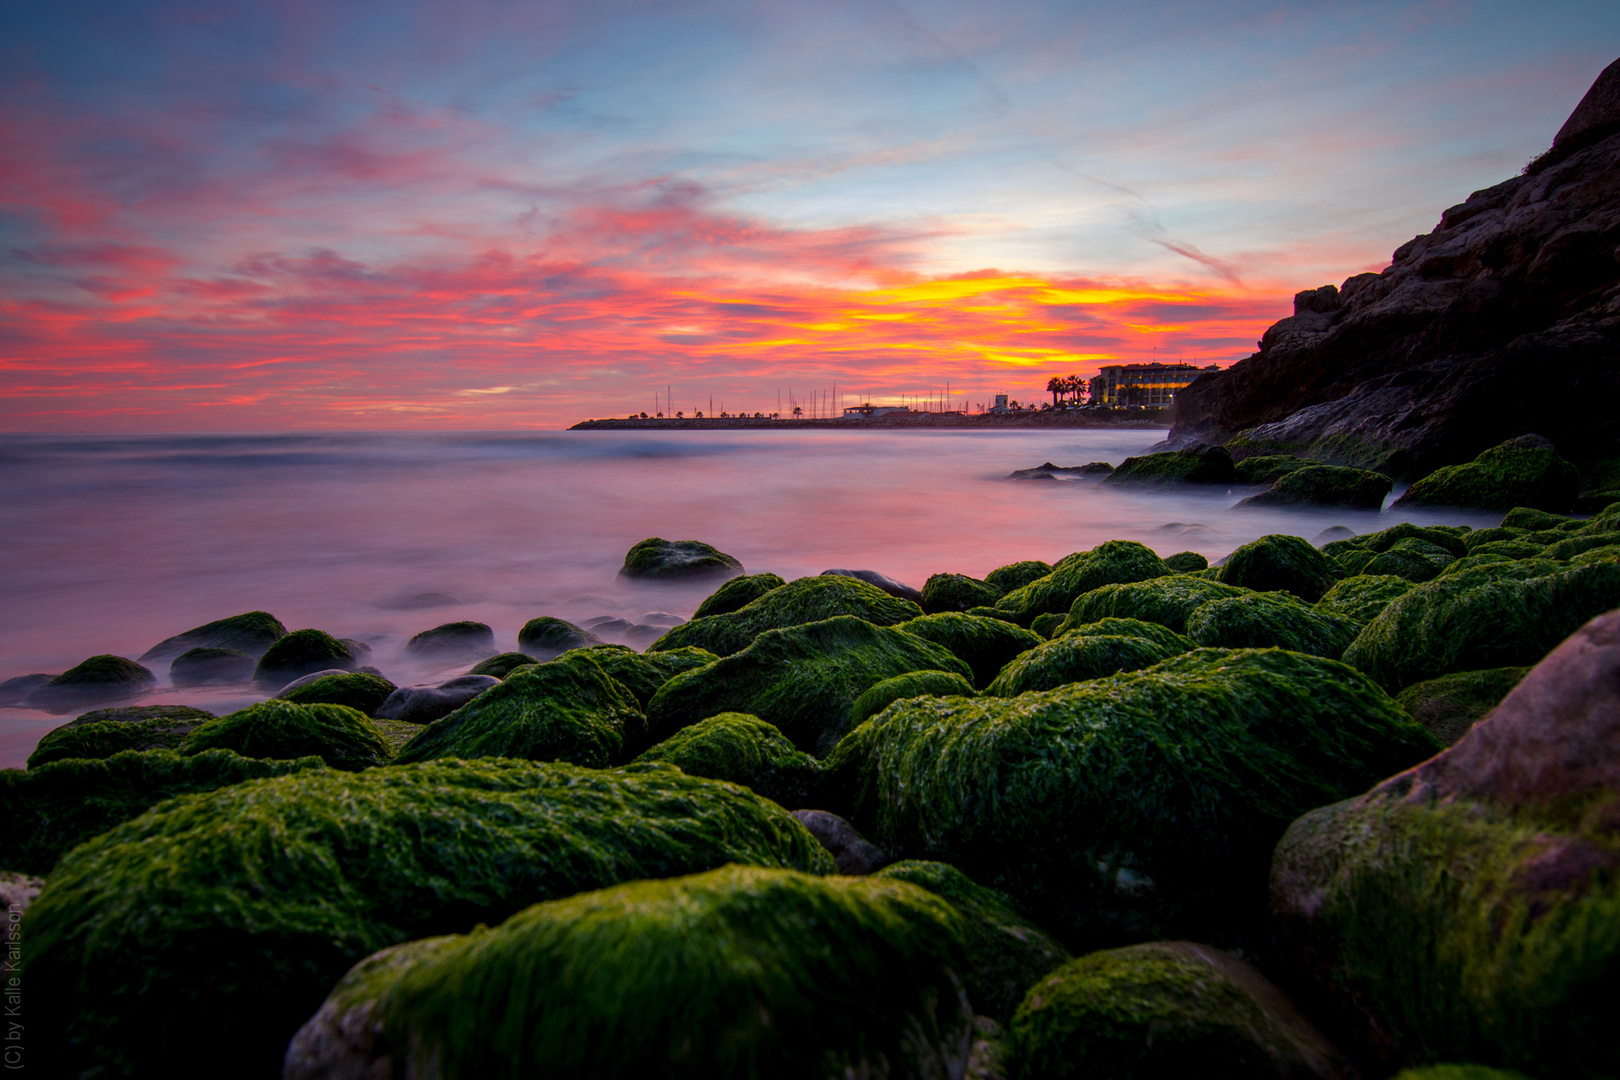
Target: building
869,411
1146,385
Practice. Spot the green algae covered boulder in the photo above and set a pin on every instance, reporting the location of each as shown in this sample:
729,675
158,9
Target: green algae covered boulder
643,673
1279,563
1326,485
1166,1009
803,679
736,593
1270,620
502,664
741,749
911,684
210,928
300,653
1441,536
252,633
1115,562
1186,562
567,709
59,805
1199,465
204,665
740,972
1361,598
1075,658
803,600
1166,601
1419,560
657,559
1449,706
1046,626
984,645
1532,519
1526,471
1171,641
547,636
1134,806
1006,953
342,737
95,681
359,690
956,592
1268,468
128,714
1499,615
112,737
1016,575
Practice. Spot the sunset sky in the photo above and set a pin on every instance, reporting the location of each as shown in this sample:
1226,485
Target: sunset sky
475,214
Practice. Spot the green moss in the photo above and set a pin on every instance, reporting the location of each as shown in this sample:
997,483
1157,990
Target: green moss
567,709
300,653
1203,465
396,733
741,972
57,806
1186,562
1500,615
340,736
1075,658
1281,563
97,679
1144,804
105,739
803,679
1522,472
737,593
1531,519
1587,541
1006,953
1166,601
1163,636
805,600
657,559
453,639
1354,561
211,927
1115,562
1326,485
1440,536
1361,598
1047,626
1266,468
984,645
957,592
357,689
1511,549
1016,575
1491,536
1468,562
130,713
911,684
1270,620
251,632
643,673
1609,553
1449,705
744,750
546,637
203,665
1413,559
502,665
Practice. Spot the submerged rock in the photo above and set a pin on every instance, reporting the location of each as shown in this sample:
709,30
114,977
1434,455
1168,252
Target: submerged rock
1326,485
425,704
1198,465
502,665
95,681
741,749
881,581
452,640
359,690
736,593
547,637
251,632
656,559
303,652
342,737
206,665
14,692
1526,471
801,601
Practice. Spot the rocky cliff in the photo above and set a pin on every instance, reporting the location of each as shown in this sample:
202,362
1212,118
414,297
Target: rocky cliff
1504,320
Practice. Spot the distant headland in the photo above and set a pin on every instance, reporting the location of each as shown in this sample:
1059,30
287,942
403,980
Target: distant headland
897,420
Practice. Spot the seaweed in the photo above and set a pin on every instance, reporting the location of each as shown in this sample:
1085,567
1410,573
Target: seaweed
342,737
803,600
744,750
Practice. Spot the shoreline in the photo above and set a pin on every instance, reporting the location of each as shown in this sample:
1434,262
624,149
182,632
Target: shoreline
1051,418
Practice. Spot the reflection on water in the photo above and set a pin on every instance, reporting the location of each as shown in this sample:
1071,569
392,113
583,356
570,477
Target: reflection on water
109,544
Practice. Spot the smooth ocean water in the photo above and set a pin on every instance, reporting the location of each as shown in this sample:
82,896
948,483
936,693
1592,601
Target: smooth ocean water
109,544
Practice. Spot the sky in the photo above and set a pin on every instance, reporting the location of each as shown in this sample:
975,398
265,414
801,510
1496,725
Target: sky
478,214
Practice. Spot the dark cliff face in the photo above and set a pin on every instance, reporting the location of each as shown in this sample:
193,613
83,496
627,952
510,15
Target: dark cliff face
1502,321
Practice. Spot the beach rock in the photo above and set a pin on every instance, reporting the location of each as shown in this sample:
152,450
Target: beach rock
1134,806
1454,542
342,737
911,684
1049,471
1186,562
206,665
1016,575
874,992
303,652
453,640
853,853
104,738
420,601
736,593
1464,910
14,693
502,665
1167,639
95,681
425,704
1363,598
803,679
1330,534
251,632
1525,471
1166,601
657,559
1450,705
643,673
1076,658
804,600
1167,1008
1413,559
356,689
1271,620
956,592
17,891
1268,468
1045,626
547,637
566,709
1279,562
1195,465
1326,485
741,749
1115,562
882,581
984,645
198,962
56,807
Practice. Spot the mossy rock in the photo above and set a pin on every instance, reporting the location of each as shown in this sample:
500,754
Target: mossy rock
359,690
1271,620
1166,1009
643,673
1047,626
1450,705
1361,598
803,679
744,750
737,593
911,684
1526,471
129,714
957,592
656,559
1468,562
1458,1072
300,653
1609,553
1172,642
1500,615
1438,535
1531,519
103,740
740,972
157,948
1508,549
396,733
1267,468
1491,536
803,600
567,709
1279,563
1354,561
984,645
502,665
1006,953
1141,805
342,737
57,806
453,639
1186,562
1415,560
1200,465
548,637
1326,485
1166,601
1115,562
204,665
1016,575
1076,658
94,681
1577,545
252,633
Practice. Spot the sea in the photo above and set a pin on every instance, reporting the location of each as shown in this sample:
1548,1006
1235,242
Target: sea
110,543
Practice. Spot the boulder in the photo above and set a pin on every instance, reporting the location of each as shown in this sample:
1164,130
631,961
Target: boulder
1016,575
741,749
425,704
303,652
1326,485
1166,601
738,592
656,559
1047,471
157,949
1271,620
714,975
956,592
206,665
643,673
1464,910
1197,465
342,737
502,665
1186,562
1450,705
96,681
548,637
1076,658
1413,559
804,600
129,714
854,854
1268,468
1363,597
453,639
984,645
1045,626
1170,641
251,632
14,692
357,689
881,581
1526,471
911,684
105,738
1115,562
1281,563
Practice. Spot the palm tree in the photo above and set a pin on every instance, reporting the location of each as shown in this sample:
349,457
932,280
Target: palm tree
1056,386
